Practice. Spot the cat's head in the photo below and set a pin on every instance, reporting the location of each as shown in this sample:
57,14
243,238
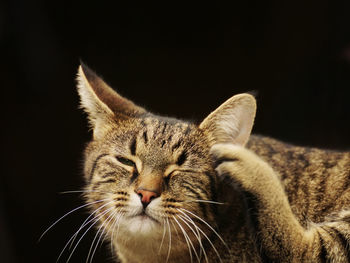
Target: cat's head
144,171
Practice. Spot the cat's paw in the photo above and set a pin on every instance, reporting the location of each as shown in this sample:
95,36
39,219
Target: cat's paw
242,166
227,152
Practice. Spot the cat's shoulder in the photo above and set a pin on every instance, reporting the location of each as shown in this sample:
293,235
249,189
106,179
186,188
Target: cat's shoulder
280,153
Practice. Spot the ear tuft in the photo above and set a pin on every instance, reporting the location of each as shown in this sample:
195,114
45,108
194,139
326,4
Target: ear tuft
232,122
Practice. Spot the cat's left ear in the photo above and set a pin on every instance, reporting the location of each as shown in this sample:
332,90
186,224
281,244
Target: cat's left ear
232,122
103,105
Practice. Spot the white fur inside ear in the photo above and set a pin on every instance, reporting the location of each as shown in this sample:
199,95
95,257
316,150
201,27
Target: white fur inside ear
89,100
232,122
97,111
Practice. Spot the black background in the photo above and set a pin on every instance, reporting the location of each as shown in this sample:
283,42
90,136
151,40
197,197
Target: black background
176,59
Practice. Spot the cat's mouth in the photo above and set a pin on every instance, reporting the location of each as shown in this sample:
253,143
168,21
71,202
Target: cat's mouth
142,223
143,216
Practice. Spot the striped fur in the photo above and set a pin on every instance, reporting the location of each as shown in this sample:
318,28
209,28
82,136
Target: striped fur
213,200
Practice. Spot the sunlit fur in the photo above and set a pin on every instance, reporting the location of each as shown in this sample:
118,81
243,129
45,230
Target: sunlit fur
213,200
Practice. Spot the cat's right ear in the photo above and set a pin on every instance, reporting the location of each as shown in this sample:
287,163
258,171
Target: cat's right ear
232,122
102,104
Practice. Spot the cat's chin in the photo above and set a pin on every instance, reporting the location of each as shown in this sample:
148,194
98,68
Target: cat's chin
141,225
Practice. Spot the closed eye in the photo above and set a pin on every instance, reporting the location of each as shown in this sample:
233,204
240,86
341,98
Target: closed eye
169,176
126,161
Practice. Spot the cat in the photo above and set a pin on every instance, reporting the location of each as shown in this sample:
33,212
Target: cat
166,190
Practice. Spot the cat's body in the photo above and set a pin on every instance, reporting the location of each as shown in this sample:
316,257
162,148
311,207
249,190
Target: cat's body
317,186
316,181
169,191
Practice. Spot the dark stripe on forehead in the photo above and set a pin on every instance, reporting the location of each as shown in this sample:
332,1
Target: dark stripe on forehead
95,165
133,146
145,137
164,128
176,145
163,143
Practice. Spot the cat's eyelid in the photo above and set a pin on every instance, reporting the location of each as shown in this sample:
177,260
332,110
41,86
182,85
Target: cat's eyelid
174,169
170,170
125,160
134,162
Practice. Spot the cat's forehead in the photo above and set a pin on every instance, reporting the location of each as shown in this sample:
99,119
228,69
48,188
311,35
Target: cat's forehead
158,127
164,133
153,135
154,128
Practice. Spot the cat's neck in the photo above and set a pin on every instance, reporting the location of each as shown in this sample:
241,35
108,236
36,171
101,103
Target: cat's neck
134,249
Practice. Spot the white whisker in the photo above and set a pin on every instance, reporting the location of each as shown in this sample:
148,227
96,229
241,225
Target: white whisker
97,218
111,222
212,245
188,241
116,221
84,191
205,201
70,212
211,228
103,227
164,232
93,242
85,223
174,226
196,235
169,249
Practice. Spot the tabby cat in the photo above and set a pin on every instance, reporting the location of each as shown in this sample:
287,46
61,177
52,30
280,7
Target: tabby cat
165,190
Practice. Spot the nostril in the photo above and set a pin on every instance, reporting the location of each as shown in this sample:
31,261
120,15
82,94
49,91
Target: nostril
146,196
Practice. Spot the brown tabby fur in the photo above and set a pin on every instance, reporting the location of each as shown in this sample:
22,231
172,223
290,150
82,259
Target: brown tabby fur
214,201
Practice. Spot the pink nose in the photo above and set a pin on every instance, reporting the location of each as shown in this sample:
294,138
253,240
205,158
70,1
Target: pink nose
146,196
